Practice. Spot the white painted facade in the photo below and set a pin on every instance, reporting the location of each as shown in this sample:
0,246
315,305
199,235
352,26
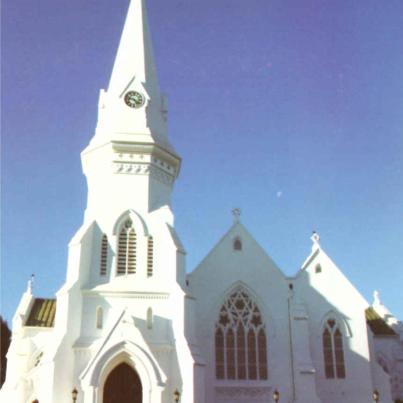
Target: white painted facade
135,304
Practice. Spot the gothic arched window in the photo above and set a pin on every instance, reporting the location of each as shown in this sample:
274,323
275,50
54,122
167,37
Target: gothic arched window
127,244
104,256
240,339
333,350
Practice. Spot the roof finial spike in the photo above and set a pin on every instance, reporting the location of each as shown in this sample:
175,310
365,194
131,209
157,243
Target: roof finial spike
315,239
377,299
236,213
30,284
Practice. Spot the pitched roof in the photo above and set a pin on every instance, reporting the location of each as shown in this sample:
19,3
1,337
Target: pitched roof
378,325
42,313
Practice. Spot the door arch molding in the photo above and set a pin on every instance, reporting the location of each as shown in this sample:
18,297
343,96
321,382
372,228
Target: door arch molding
152,378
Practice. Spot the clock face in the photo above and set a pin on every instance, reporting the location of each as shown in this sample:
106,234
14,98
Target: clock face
134,99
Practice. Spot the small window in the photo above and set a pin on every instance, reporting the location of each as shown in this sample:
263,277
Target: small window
318,268
100,318
149,318
237,244
104,256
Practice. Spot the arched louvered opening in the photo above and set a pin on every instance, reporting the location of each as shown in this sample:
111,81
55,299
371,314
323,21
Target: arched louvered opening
131,251
99,318
104,256
333,352
127,249
240,340
150,318
150,256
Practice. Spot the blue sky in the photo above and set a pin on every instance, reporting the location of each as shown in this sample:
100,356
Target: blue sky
291,111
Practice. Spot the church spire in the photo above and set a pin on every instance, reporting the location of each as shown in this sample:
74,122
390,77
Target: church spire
135,59
133,104
130,163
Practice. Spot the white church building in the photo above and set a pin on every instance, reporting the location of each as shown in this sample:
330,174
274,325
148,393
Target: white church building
129,325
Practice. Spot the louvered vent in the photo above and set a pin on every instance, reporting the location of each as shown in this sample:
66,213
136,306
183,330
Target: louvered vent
150,256
104,255
131,252
127,245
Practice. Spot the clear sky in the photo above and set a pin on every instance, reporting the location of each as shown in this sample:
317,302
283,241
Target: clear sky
290,110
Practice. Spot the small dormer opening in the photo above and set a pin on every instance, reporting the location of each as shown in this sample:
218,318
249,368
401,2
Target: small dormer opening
318,268
237,245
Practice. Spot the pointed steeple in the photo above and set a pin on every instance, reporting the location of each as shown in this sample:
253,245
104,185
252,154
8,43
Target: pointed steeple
135,58
133,104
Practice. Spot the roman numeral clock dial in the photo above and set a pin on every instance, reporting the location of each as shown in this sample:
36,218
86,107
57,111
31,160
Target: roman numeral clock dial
134,99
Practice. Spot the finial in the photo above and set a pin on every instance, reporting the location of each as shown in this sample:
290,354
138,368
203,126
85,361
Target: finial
30,283
315,239
236,213
377,299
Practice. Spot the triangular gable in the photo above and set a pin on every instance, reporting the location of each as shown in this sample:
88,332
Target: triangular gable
238,231
124,336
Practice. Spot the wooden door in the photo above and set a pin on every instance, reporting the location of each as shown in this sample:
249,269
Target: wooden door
123,386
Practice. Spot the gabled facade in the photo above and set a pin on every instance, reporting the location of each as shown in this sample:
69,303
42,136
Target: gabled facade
130,326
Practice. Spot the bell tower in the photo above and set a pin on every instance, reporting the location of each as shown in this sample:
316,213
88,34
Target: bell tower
130,163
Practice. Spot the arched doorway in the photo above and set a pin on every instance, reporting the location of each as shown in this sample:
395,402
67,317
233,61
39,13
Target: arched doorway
123,385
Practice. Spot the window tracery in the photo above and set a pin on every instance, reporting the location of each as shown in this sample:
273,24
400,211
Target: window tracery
333,352
240,339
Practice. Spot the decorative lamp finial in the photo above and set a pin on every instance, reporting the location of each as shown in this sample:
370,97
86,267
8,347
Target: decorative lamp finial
236,212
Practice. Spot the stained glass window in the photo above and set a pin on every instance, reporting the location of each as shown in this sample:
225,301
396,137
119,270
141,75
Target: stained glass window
333,353
240,339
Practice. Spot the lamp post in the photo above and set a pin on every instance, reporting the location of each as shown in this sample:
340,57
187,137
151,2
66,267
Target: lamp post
177,396
74,394
375,396
276,395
